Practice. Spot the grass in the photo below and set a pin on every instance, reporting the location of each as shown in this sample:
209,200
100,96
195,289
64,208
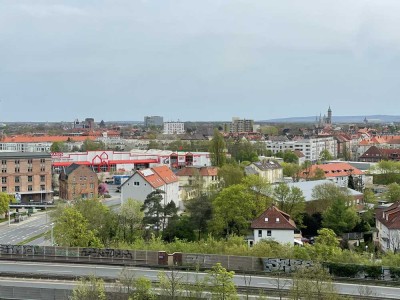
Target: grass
24,242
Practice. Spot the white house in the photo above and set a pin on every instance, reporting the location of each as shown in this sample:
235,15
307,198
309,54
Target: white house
387,220
143,182
174,128
274,224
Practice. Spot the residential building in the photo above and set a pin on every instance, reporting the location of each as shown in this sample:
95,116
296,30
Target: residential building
156,121
78,181
310,147
145,181
387,220
174,128
239,125
26,175
375,154
270,170
338,173
196,179
274,224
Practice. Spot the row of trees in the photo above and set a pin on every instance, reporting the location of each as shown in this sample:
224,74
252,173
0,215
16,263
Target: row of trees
307,283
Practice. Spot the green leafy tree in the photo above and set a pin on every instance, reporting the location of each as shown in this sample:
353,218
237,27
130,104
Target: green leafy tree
369,196
325,194
318,174
325,155
153,210
260,189
130,218
233,209
291,170
5,200
221,283
91,288
290,200
179,228
340,217
290,157
200,212
89,145
327,237
171,283
58,147
217,149
71,229
393,192
230,174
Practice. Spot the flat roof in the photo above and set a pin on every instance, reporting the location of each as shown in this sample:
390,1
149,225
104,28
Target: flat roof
24,155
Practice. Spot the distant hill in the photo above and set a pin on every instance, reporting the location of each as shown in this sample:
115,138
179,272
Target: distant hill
339,119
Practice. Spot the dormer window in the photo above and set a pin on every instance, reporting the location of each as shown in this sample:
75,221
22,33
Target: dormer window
266,219
277,220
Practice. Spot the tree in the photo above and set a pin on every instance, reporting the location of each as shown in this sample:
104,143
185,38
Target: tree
290,200
131,287
318,174
130,219
217,149
89,145
221,283
153,210
71,230
233,209
260,189
200,212
393,192
324,195
100,220
171,284
327,237
291,170
179,228
313,282
58,147
290,157
230,174
340,217
91,288
325,155
350,183
369,196
5,200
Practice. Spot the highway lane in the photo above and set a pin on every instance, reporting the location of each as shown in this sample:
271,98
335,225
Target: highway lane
190,277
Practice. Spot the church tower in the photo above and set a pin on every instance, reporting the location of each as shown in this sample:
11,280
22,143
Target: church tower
329,118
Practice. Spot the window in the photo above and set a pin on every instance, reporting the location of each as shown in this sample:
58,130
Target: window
91,195
277,220
42,169
16,178
42,187
16,169
4,189
29,161
42,160
42,178
3,162
136,183
3,179
29,178
17,161
4,170
29,170
92,185
17,188
29,188
259,233
266,219
268,232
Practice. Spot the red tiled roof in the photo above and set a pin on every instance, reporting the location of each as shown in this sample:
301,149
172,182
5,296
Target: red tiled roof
273,218
165,174
336,169
44,139
389,216
152,178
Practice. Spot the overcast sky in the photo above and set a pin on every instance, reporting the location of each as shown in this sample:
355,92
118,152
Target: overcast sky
197,60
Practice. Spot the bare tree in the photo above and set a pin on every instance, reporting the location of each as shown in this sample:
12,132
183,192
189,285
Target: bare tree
170,284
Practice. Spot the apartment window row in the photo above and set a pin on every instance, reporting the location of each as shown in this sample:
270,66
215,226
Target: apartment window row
17,179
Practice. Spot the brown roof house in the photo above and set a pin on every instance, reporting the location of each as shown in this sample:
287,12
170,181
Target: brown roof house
145,181
193,178
274,224
78,181
388,224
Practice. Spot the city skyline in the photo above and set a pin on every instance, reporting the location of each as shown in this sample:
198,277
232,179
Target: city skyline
206,60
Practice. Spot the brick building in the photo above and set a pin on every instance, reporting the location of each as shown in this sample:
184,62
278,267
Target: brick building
78,181
26,175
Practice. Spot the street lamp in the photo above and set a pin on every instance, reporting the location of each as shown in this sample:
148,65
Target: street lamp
52,234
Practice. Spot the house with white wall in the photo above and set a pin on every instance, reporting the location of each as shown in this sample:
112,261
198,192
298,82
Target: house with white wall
145,181
274,224
387,219
270,170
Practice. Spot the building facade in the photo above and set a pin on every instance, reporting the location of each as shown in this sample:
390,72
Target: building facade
27,176
78,181
174,128
239,125
388,224
157,121
269,170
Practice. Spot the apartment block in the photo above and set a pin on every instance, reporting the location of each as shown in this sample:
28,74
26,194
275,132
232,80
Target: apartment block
78,181
26,175
157,121
174,128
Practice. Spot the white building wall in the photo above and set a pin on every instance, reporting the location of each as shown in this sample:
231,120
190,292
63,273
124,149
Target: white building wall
137,192
281,236
174,128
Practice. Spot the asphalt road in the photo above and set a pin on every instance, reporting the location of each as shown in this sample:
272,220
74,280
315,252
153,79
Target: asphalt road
190,277
36,224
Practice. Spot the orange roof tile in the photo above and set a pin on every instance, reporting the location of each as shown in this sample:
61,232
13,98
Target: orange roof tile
46,138
165,174
336,169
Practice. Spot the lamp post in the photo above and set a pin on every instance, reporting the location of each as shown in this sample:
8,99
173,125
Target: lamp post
52,234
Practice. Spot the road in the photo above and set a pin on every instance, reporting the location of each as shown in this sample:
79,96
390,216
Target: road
36,224
190,277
